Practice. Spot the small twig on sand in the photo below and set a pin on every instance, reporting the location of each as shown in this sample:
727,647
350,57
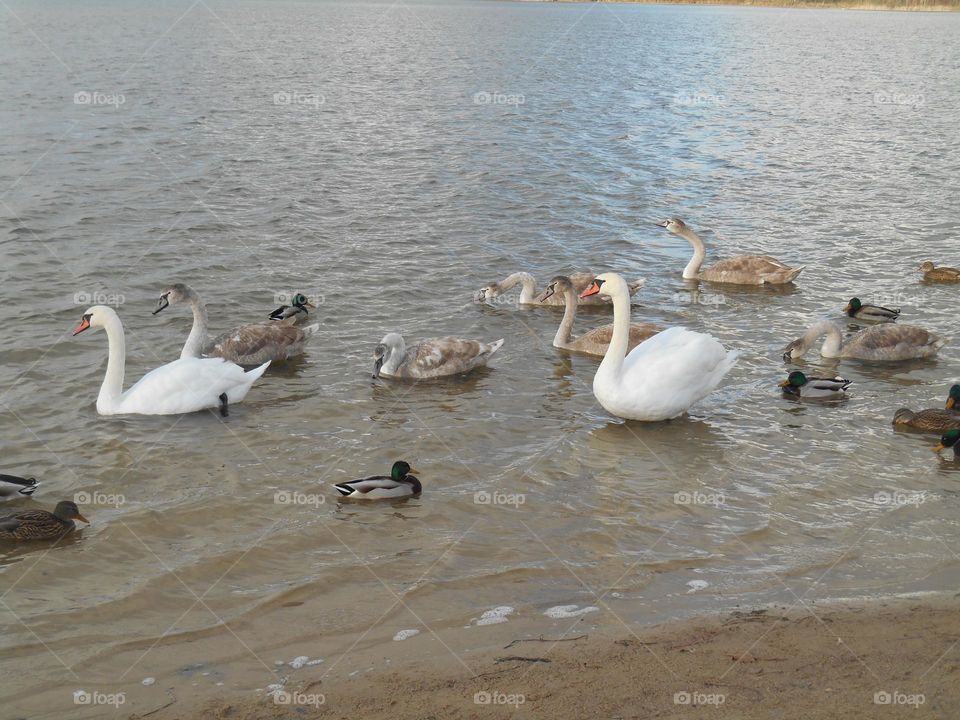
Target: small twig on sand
173,699
521,659
543,639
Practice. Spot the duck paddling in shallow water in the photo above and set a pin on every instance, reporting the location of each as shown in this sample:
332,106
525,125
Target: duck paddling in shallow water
41,524
400,483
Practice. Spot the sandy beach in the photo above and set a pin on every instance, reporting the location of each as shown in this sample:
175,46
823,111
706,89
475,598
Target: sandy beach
852,660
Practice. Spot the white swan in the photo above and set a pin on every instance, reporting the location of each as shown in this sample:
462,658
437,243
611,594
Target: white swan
185,385
663,376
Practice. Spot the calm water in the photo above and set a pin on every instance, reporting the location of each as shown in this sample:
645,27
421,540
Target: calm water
389,159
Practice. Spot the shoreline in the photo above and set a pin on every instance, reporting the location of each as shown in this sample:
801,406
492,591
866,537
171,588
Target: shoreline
899,657
788,4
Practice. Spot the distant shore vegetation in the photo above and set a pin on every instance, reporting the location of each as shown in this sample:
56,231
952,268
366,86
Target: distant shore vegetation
905,5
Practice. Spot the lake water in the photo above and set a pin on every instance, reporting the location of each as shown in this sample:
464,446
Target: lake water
388,159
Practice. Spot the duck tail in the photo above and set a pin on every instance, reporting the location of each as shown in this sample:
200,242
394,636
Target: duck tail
903,416
310,330
344,489
494,346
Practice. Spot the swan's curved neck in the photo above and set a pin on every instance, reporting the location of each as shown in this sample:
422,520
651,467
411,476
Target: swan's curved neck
397,354
193,347
692,270
565,331
832,342
529,292
617,351
112,387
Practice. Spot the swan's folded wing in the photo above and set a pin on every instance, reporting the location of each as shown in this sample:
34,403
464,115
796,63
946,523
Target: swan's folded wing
451,354
258,341
753,264
887,336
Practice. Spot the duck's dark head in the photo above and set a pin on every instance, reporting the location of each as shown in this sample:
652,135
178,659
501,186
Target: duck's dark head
794,382
953,398
948,440
68,510
853,307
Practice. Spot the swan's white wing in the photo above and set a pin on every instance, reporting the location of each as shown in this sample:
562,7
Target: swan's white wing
187,385
663,376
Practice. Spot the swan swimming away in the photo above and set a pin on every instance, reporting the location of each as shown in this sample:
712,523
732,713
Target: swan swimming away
182,386
663,376
739,270
252,344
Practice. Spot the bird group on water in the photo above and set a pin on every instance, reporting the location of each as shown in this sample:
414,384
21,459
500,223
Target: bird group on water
647,373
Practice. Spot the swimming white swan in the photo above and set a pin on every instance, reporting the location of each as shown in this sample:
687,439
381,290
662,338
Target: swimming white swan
596,341
739,270
883,343
430,358
529,292
185,385
663,376
252,344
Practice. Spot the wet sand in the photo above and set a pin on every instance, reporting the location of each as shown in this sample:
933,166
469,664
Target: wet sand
852,660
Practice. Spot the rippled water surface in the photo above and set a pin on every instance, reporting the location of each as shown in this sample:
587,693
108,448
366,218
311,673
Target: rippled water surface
389,159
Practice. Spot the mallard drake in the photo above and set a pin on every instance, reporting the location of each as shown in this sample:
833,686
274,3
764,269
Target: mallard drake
949,440
933,419
529,291
41,524
430,358
249,345
739,270
297,309
799,385
596,341
882,343
14,486
400,483
932,273
873,313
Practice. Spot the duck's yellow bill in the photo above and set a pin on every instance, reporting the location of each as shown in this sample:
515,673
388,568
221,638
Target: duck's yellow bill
82,518
939,447
950,403
785,383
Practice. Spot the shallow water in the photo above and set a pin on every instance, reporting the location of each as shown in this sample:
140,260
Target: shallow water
430,149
